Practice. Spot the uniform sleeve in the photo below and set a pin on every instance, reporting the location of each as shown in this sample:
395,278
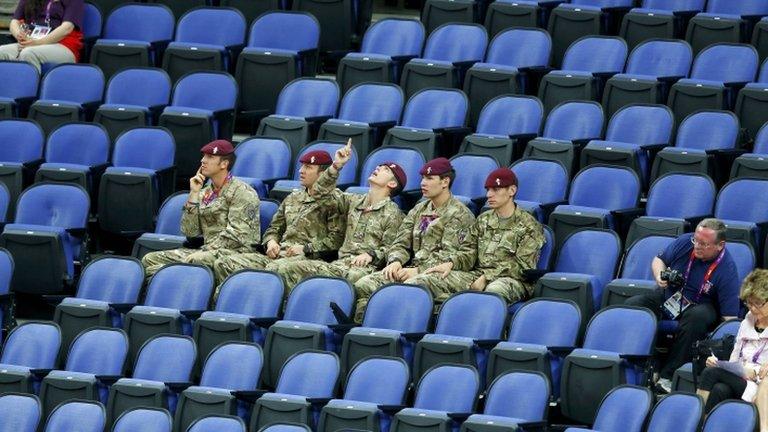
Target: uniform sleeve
459,242
190,221
728,291
243,228
336,224
277,226
326,185
403,245
391,227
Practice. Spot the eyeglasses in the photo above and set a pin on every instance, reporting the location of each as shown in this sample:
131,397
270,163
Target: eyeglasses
752,305
701,244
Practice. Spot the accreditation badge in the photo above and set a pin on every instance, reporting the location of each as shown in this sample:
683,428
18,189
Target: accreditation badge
39,32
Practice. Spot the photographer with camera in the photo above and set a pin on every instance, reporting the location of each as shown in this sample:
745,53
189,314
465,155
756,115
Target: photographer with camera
699,283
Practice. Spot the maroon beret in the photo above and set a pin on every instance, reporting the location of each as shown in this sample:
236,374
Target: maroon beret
316,157
501,177
398,172
437,166
218,148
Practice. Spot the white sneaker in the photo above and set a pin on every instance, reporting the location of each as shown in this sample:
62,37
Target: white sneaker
664,385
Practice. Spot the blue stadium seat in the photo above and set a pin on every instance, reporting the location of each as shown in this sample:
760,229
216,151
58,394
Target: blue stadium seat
347,176
743,254
505,68
132,189
444,389
469,324
286,427
529,390
583,73
503,126
750,104
18,88
469,184
732,415
652,67
387,45
95,359
724,21
396,317
282,46
665,19
198,45
91,27
267,210
373,382
547,251
218,423
143,419
47,237
742,214
202,109
540,335
20,155
176,295
303,104
338,21
306,321
134,98
307,379
80,415
428,120
134,36
68,92
636,276
29,352
410,161
231,369
367,111
261,162
623,409
450,50
503,14
676,412
617,348
533,195
6,297
167,234
753,164
682,379
20,412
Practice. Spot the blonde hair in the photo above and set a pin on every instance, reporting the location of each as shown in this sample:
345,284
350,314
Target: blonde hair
755,285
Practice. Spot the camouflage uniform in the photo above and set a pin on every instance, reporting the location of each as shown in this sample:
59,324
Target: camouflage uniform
428,237
369,230
229,224
506,247
302,219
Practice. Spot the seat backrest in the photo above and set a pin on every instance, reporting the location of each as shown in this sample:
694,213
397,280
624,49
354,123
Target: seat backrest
308,97
637,262
59,205
180,286
263,158
661,58
312,374
624,408
233,366
166,358
590,251
730,327
143,22
596,54
217,423
372,103
144,419
529,173
743,256
214,91
681,195
520,47
448,388
77,83
379,380
471,171
574,120
78,143
92,21
348,173
406,308
732,415
267,210
394,37
456,43
77,415
295,31
112,279
22,140
410,161
708,130
547,250
675,5
676,412
478,315
144,87
743,7
529,390
511,115
18,79
169,216
99,351
726,63
641,124
549,322
251,292
20,413
436,108
132,148
736,201
603,3
32,344
310,300
606,187
286,427
761,141
196,26
621,329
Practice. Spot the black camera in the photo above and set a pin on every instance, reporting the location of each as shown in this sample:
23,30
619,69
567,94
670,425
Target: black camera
672,277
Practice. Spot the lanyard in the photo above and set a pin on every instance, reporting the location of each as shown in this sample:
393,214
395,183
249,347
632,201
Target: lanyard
48,13
213,193
757,354
707,275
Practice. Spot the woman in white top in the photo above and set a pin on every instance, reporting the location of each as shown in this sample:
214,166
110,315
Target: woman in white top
751,351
